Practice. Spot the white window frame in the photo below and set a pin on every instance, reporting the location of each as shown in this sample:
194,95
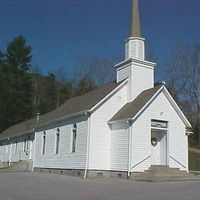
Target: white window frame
57,142
7,143
43,149
25,145
72,138
16,146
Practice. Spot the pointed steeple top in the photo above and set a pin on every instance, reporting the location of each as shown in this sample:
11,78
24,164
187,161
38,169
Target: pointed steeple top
135,20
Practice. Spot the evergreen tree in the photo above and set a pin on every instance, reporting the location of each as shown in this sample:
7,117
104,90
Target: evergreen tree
18,55
15,83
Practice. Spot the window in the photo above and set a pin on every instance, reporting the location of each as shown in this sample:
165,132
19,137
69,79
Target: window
57,140
15,146
7,143
25,144
44,143
74,135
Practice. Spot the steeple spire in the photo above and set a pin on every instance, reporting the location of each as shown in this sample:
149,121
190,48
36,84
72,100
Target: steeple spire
134,45
140,73
135,20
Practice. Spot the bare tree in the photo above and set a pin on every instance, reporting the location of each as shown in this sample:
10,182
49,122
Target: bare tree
36,71
191,81
184,82
63,85
174,66
100,70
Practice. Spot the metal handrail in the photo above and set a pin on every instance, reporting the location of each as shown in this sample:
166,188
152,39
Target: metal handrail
141,162
177,161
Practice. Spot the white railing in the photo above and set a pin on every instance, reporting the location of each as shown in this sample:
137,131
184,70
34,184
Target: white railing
177,162
141,162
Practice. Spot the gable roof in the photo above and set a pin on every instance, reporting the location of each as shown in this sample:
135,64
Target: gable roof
72,106
79,103
19,129
132,108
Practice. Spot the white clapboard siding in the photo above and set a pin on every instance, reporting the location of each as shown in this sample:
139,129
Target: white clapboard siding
15,152
100,136
5,151
142,79
159,109
119,147
123,73
64,159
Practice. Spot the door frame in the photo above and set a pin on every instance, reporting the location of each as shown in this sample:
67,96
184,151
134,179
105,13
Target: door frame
167,141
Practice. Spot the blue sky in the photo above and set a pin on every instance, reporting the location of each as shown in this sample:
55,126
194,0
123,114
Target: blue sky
60,31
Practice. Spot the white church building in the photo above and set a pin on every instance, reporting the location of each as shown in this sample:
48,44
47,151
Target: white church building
123,128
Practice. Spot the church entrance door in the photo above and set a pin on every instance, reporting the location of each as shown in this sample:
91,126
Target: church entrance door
158,147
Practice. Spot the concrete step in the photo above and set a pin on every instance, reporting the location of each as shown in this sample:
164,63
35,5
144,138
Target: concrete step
160,166
172,173
166,179
18,166
3,165
158,173
160,177
162,169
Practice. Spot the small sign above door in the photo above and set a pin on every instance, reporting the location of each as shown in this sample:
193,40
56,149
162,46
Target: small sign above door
158,123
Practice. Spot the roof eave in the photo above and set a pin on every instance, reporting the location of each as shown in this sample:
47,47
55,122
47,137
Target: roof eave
18,135
177,109
108,96
128,61
141,110
171,100
40,126
120,120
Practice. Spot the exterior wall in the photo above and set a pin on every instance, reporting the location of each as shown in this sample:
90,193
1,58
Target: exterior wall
65,159
123,73
100,135
141,77
119,147
159,109
13,150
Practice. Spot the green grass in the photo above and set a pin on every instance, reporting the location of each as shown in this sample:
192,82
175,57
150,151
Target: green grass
194,161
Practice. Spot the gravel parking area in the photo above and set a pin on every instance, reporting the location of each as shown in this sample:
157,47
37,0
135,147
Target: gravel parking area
39,186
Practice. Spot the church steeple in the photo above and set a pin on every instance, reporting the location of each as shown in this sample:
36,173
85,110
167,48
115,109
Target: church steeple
135,43
135,20
140,73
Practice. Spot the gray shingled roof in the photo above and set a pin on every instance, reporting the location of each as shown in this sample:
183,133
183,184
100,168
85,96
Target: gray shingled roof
132,108
71,106
19,129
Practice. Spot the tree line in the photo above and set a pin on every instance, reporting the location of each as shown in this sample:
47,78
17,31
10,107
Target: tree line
25,91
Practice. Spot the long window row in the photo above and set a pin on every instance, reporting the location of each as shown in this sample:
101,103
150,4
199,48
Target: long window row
57,140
